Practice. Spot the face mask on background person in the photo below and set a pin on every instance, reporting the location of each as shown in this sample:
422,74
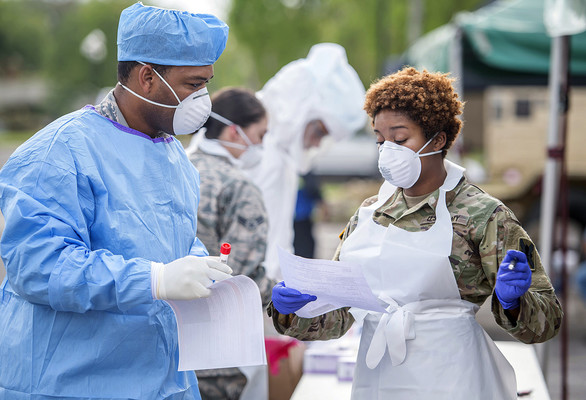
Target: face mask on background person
252,154
190,114
399,165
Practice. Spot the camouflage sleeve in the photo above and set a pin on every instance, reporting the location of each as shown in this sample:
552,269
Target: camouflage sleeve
540,311
331,325
244,224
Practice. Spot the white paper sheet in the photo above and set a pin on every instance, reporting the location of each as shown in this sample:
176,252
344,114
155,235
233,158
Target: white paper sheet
223,330
335,283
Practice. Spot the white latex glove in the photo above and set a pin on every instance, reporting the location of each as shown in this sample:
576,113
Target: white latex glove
186,278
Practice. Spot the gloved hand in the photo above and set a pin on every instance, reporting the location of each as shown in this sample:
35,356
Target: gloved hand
186,278
512,284
287,300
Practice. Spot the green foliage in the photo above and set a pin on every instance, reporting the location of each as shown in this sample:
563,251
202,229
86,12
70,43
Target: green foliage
274,33
441,11
14,139
44,37
73,74
235,67
23,36
372,31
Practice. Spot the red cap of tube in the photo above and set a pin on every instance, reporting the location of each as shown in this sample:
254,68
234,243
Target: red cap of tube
225,248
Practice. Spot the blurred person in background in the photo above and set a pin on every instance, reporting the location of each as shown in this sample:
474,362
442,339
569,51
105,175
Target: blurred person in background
310,202
307,100
432,251
101,218
231,210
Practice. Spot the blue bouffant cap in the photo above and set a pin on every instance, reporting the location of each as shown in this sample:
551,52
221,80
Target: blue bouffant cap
170,37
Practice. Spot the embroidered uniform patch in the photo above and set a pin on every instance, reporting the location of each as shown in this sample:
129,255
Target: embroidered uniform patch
250,223
456,219
527,247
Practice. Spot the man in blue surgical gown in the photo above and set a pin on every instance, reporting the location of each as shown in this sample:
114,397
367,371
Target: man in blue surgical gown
100,211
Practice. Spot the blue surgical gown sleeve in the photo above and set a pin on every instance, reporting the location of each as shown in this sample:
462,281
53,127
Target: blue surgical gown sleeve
198,249
49,209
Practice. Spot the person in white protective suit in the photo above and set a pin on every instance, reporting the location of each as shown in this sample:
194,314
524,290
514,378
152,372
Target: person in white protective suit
432,251
306,100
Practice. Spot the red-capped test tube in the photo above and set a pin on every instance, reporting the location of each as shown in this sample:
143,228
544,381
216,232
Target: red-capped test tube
225,252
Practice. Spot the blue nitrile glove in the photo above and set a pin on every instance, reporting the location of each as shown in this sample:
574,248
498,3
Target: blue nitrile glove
287,300
512,284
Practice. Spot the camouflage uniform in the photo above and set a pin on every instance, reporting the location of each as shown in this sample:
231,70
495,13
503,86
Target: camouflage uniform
484,229
109,109
230,210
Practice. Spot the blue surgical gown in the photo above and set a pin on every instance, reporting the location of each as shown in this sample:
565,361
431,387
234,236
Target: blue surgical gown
88,205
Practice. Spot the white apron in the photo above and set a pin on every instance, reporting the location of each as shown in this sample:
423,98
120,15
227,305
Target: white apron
429,346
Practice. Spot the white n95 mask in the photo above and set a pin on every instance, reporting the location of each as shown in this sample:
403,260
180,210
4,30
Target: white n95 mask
399,165
252,154
190,114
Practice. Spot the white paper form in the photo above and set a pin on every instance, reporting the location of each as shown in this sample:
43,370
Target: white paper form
335,283
223,330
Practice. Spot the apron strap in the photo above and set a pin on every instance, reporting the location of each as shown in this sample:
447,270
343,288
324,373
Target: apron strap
397,325
392,332
455,173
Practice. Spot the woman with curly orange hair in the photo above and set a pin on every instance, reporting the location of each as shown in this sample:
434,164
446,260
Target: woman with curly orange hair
433,248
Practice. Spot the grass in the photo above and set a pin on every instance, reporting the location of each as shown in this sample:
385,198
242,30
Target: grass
13,138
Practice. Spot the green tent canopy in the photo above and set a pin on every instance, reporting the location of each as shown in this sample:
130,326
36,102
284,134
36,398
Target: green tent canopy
506,40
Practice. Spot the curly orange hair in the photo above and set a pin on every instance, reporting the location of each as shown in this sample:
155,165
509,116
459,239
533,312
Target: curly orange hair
427,98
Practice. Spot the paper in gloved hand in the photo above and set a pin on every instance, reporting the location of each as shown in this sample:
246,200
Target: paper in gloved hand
335,283
223,330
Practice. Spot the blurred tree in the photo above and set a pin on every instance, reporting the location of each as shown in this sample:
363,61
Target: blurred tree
236,67
276,32
45,37
77,75
23,37
279,31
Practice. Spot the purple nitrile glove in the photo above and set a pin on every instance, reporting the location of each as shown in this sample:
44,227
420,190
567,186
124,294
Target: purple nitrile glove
511,284
287,300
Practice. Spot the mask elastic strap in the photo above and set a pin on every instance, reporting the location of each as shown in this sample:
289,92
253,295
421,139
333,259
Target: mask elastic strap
232,145
429,154
223,120
147,100
165,82
227,122
425,145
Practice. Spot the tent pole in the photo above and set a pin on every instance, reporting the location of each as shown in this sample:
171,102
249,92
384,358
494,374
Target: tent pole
563,206
550,182
551,179
552,168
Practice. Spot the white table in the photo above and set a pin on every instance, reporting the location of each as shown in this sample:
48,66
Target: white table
527,369
521,356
